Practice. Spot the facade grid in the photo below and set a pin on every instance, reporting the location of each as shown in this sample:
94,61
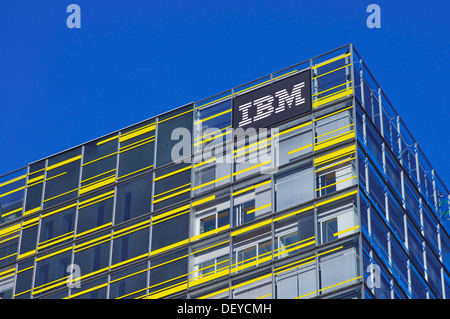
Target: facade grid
336,202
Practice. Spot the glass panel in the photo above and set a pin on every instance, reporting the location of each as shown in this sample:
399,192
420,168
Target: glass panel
35,184
129,283
131,240
337,219
338,267
295,140
213,214
12,189
99,164
168,274
180,118
288,190
62,177
172,185
251,200
57,226
133,198
256,286
136,148
92,254
294,232
95,211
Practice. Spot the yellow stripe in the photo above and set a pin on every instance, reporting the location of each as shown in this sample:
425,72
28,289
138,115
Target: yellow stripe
92,230
171,190
251,187
53,241
170,212
87,290
137,171
97,201
318,76
332,156
92,243
47,179
39,170
335,140
338,284
336,198
335,164
332,97
25,269
10,238
53,254
159,122
99,184
12,212
138,132
95,198
341,128
170,217
208,233
160,250
128,260
212,116
259,208
13,180
250,168
137,142
8,255
28,212
13,191
126,229
299,149
172,173
171,195
330,61
127,148
346,230
211,182
204,200
344,180
246,229
107,140
70,160
321,92
26,254
325,116
59,210
48,199
30,221
30,181
98,159
11,229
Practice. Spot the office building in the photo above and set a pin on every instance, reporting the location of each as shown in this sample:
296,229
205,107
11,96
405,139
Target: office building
305,183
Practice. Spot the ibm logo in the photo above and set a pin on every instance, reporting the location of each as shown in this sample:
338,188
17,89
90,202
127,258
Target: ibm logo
273,103
264,106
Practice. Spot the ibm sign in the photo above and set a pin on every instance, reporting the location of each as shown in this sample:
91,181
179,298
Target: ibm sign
273,103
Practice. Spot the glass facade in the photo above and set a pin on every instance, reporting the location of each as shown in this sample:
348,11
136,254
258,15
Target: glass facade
338,202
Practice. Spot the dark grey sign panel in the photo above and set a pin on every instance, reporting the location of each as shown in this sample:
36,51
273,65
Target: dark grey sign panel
273,103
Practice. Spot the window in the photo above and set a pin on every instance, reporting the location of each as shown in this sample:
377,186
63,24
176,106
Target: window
95,211
170,227
294,231
57,226
336,219
209,261
62,177
130,241
295,140
338,267
99,164
210,213
35,185
172,185
167,123
209,175
130,282
251,200
133,198
294,186
136,148
11,195
92,254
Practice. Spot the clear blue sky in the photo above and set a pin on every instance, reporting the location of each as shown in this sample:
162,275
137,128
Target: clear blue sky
132,60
